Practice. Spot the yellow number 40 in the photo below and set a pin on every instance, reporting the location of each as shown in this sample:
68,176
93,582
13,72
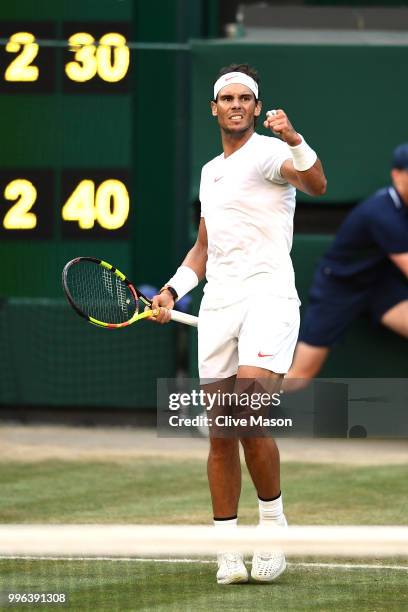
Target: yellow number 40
108,205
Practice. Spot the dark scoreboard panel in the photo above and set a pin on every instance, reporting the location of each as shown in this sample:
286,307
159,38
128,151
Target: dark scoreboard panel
66,181
95,54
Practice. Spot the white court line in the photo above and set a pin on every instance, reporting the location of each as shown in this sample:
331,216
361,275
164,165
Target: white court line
403,568
189,541
346,566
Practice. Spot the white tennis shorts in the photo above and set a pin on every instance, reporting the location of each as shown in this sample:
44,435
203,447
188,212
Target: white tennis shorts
250,332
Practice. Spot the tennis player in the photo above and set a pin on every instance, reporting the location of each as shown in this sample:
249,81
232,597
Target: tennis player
364,270
249,315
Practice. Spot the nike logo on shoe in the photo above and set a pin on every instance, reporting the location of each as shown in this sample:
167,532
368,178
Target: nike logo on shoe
218,178
264,355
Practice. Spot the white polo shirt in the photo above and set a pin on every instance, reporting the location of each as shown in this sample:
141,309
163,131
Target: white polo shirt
248,210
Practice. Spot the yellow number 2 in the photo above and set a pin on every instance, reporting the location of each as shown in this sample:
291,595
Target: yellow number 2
20,68
19,216
108,205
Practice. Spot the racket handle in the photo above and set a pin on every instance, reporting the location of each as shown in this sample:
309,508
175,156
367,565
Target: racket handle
182,317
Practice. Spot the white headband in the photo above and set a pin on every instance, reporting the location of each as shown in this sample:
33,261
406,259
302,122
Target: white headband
235,77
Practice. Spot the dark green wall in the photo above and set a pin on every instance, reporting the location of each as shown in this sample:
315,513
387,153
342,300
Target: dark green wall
383,3
50,357
40,10
161,134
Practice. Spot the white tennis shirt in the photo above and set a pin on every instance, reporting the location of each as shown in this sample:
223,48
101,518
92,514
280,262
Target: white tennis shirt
248,210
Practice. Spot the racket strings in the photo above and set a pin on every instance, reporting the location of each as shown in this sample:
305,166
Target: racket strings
100,294
122,298
107,281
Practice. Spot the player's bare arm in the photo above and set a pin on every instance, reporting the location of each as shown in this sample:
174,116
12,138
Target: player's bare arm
196,260
311,181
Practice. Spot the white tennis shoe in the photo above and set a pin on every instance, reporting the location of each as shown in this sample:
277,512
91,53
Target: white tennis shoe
268,566
231,569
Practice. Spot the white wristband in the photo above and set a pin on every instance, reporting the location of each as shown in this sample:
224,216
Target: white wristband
303,156
184,280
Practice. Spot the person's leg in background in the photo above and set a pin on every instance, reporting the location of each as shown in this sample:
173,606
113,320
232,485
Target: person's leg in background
396,319
307,361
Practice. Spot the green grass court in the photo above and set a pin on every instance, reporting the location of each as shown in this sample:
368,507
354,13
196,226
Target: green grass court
175,491
186,587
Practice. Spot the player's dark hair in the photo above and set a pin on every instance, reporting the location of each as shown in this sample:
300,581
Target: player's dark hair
246,69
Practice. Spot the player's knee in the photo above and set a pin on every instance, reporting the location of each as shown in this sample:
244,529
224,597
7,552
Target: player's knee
252,445
223,447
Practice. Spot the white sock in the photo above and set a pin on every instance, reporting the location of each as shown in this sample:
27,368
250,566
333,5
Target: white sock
270,512
228,524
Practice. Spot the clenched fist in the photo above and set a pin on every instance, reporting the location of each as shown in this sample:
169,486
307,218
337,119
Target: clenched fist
278,122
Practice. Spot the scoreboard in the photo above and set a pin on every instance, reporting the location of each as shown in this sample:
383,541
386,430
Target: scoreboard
66,154
94,160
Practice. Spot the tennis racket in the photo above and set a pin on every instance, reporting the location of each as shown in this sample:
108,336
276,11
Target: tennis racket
104,296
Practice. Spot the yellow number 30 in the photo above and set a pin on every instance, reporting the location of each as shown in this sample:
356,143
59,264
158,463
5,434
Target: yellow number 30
110,59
